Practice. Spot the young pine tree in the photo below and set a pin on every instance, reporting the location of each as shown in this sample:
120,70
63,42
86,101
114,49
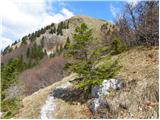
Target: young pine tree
80,57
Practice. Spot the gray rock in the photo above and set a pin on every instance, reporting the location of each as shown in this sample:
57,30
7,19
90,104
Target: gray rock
102,90
97,104
98,94
94,91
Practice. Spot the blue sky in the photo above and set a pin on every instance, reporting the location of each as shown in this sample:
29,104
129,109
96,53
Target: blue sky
21,17
97,9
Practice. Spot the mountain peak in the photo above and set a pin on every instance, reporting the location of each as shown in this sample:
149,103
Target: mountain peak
86,17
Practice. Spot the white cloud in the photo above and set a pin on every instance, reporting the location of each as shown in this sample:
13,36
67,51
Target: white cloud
20,18
114,10
64,14
5,42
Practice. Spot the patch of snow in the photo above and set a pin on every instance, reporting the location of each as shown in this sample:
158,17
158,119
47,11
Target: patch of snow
48,108
50,105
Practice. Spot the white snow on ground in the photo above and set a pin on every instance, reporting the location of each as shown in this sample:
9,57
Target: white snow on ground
50,105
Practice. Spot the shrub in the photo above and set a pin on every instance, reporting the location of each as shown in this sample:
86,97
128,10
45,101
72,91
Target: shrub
59,28
10,107
44,74
24,40
117,46
67,43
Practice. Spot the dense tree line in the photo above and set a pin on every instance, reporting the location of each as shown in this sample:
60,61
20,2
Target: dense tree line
9,73
62,25
35,53
9,77
32,37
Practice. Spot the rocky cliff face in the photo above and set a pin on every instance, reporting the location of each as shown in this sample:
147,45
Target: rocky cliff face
137,97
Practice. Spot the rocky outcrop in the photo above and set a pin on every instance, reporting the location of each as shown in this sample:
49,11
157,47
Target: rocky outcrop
136,100
98,94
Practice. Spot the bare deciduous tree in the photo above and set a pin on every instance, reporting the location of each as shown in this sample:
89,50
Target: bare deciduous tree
139,24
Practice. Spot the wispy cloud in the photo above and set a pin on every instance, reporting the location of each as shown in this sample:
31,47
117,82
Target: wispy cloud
23,17
133,2
114,10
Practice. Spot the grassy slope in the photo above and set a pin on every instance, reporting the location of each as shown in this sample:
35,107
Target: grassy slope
139,97
32,104
139,64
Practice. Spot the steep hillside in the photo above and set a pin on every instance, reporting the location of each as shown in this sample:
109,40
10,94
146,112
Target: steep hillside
50,39
112,80
140,96
36,60
41,53
83,67
137,99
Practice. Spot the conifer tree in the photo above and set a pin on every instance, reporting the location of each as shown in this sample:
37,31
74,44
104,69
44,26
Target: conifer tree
81,55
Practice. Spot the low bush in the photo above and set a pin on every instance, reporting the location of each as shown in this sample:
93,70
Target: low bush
117,46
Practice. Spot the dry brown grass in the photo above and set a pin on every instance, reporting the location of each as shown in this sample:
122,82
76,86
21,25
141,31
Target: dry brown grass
65,110
139,63
139,71
32,104
140,94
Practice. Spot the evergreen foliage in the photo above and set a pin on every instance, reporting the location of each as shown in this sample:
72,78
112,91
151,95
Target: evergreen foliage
61,26
9,73
10,107
5,50
42,42
24,40
67,43
8,49
36,52
28,52
117,46
53,28
81,57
